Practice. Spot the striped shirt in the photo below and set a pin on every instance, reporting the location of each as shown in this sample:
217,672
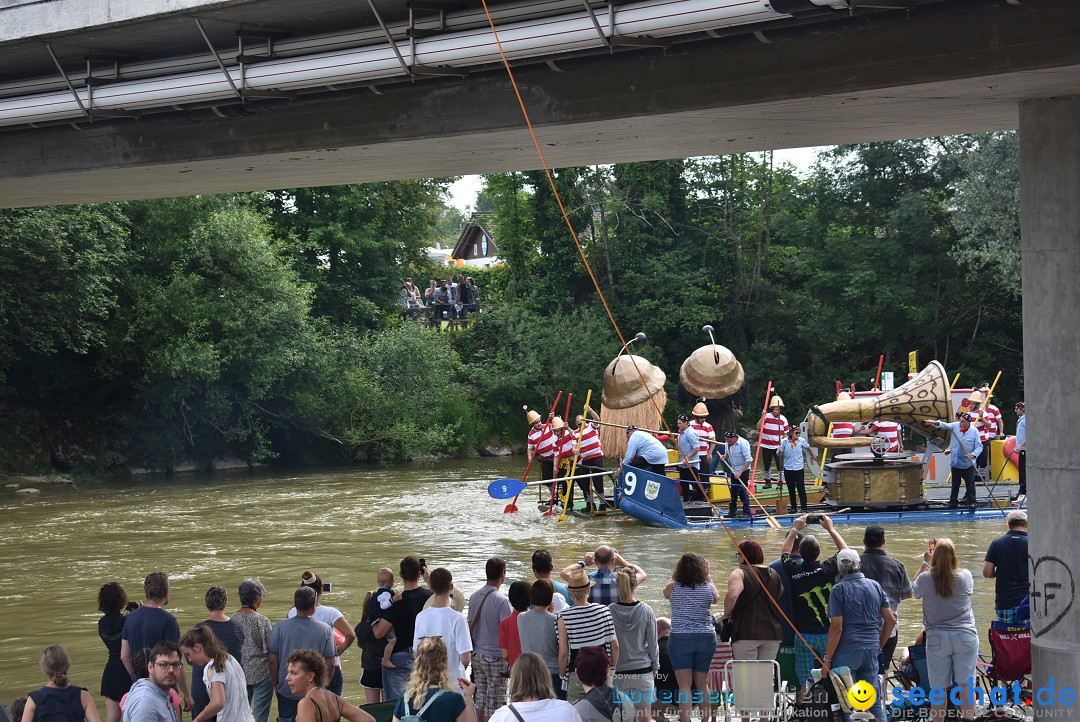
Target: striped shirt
542,440
890,431
565,445
772,431
988,423
590,625
690,611
704,431
843,429
590,443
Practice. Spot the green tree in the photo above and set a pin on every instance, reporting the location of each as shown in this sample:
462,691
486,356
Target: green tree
217,335
351,242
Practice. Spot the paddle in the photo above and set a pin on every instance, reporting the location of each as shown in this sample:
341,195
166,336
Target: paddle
573,463
505,487
760,430
512,506
771,520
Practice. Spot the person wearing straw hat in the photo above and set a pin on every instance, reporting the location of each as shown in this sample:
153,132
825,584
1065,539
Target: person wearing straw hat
590,459
689,448
541,444
584,624
644,451
773,427
738,459
706,432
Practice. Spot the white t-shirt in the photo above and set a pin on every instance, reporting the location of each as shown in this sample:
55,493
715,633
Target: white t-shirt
451,626
328,616
544,710
236,707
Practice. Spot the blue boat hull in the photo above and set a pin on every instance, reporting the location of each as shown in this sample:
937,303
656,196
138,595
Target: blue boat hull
655,500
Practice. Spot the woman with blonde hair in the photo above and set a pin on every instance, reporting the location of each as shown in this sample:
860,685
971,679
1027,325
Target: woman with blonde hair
639,652
222,677
306,676
58,694
429,693
531,697
952,641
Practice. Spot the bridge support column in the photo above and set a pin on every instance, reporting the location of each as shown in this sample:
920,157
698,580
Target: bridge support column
1050,228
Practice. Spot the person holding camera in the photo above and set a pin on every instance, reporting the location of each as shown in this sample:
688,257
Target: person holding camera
344,635
811,582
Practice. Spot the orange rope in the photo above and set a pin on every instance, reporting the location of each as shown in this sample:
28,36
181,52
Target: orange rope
607,308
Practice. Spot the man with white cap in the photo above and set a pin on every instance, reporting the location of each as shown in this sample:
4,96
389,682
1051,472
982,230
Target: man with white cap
860,623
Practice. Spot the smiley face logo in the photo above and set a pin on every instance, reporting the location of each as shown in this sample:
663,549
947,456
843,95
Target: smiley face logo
862,696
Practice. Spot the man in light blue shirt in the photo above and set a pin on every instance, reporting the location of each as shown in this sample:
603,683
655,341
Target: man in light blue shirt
648,447
964,447
792,465
738,460
1021,450
689,449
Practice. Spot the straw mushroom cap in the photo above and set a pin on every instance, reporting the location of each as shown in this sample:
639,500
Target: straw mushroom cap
532,417
712,371
843,396
976,397
622,384
776,401
700,409
557,423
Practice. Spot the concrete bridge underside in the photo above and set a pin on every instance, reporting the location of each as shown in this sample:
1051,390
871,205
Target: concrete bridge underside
951,68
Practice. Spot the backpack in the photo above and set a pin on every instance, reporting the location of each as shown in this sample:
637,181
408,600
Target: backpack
418,716
58,705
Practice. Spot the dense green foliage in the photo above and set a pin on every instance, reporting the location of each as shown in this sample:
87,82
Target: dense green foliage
267,326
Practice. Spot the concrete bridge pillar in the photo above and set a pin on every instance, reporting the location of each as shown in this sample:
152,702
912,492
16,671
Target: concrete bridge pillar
1050,229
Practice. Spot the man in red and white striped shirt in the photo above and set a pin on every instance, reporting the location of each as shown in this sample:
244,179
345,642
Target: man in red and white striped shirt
989,425
706,433
541,443
773,429
843,429
888,430
591,461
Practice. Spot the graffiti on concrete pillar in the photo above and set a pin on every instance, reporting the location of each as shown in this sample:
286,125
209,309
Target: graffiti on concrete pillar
1052,592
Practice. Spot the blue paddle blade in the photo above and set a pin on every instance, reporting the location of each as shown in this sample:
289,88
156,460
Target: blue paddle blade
506,488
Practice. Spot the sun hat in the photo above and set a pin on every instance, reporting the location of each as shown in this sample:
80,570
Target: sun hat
711,371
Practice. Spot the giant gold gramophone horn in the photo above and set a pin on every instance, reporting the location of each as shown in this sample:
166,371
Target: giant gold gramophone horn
925,397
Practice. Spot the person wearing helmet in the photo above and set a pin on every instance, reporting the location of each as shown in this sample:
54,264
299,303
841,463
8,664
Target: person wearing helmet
710,453
773,427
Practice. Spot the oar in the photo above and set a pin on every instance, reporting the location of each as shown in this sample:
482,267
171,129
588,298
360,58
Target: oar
624,426
760,431
506,487
769,518
512,506
555,464
573,462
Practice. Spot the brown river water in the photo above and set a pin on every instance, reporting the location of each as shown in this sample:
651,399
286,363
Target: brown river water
216,529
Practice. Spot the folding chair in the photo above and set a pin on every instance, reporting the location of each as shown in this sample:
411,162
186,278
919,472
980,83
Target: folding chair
1010,659
756,690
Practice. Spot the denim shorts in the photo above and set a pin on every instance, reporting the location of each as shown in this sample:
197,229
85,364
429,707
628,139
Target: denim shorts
692,650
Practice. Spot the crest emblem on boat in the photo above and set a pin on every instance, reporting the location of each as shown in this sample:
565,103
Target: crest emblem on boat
652,489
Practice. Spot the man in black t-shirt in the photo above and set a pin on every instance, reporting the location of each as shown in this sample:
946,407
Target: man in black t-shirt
811,582
150,624
402,617
1007,564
